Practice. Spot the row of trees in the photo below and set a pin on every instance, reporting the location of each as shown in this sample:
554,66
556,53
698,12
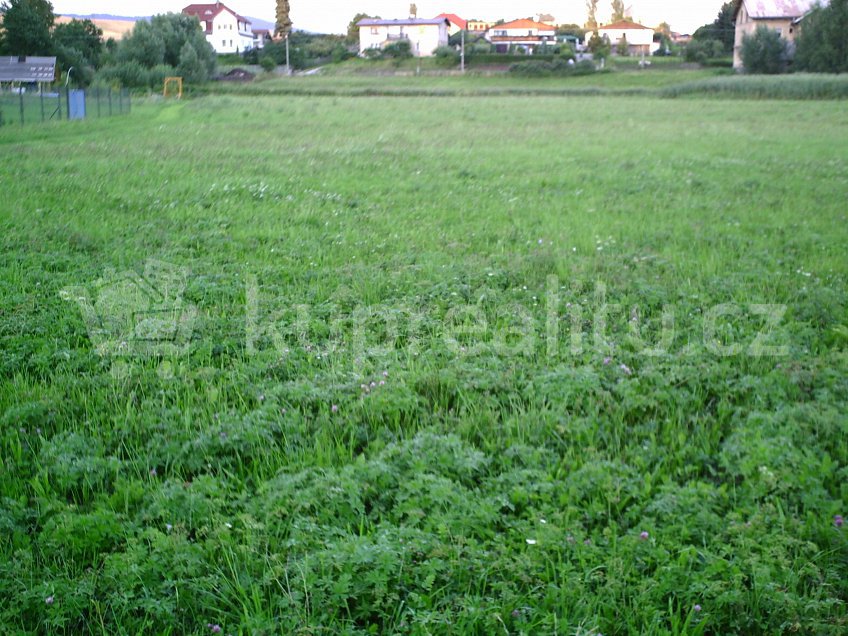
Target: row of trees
170,44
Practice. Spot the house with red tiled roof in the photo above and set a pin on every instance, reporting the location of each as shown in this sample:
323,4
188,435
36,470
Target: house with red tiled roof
638,38
525,34
457,24
225,30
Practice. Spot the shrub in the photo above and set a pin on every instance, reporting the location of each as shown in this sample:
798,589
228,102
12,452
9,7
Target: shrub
556,68
341,53
699,51
156,76
128,73
447,56
566,52
764,52
400,50
267,63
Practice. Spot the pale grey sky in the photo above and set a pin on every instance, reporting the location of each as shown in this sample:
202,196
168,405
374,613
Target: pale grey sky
333,15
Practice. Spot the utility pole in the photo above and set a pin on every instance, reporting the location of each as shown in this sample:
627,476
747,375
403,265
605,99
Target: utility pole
288,66
462,51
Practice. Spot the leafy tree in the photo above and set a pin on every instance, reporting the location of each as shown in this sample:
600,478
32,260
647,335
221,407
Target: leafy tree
84,37
177,29
764,52
592,14
822,45
617,10
191,67
284,23
26,27
572,29
144,45
599,46
353,30
723,28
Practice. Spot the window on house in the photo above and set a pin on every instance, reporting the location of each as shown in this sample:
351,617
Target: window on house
231,42
223,43
375,31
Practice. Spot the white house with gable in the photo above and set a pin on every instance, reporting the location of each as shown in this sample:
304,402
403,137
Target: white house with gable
225,30
424,36
639,38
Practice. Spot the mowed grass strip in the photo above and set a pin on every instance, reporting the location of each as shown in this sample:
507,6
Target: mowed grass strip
428,385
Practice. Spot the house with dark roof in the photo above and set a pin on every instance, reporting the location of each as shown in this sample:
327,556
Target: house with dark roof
783,16
638,38
525,34
424,36
225,30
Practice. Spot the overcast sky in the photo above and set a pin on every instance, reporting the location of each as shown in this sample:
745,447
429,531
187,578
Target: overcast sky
333,15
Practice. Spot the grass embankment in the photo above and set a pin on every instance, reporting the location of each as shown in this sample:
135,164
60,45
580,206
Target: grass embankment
654,82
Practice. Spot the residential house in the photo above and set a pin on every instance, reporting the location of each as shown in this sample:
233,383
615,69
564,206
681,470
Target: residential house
457,24
784,16
480,26
525,34
261,36
425,36
639,38
225,30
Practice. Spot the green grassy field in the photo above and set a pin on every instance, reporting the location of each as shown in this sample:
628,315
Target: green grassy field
508,365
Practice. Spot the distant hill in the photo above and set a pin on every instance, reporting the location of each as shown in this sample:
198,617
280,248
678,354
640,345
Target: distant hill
113,26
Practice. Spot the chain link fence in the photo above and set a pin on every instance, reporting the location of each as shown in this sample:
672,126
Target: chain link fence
19,106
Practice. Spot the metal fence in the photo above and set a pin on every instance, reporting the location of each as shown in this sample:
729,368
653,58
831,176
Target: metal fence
19,106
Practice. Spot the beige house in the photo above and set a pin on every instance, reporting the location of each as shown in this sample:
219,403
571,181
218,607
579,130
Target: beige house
478,25
784,16
425,36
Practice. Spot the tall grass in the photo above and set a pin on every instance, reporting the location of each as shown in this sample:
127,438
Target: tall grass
804,86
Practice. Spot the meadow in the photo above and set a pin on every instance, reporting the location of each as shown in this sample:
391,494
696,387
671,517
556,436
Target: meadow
513,364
